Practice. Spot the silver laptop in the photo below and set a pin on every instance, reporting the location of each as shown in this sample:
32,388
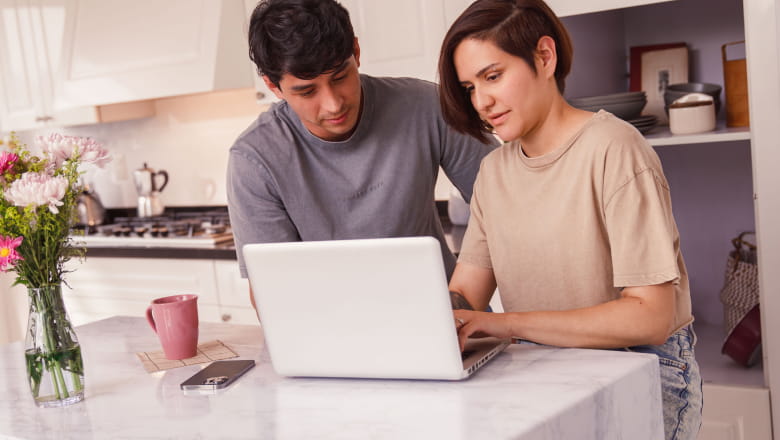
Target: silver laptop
373,308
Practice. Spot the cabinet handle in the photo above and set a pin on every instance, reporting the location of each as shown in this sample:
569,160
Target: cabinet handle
226,317
259,95
43,119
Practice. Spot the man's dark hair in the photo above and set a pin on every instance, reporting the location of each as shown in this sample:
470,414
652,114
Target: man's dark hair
304,38
515,26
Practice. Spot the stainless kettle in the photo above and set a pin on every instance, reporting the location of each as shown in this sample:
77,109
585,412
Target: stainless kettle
88,207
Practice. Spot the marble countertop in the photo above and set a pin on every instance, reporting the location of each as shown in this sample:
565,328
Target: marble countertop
526,392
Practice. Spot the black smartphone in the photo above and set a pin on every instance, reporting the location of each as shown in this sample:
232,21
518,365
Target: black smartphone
218,375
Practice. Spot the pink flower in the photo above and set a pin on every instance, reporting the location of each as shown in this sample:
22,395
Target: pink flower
60,148
7,161
8,254
38,189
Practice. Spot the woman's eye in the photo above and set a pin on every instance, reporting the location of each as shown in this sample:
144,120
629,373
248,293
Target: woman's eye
468,89
493,76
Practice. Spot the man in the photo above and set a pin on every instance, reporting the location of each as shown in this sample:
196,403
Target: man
344,155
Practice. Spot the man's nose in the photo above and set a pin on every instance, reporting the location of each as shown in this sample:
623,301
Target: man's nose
332,101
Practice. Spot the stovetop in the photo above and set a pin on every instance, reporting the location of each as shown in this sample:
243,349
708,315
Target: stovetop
189,229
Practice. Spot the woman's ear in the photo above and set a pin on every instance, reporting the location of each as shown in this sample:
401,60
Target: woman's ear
546,56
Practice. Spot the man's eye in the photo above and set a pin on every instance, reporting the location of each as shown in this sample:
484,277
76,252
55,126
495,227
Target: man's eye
340,78
307,93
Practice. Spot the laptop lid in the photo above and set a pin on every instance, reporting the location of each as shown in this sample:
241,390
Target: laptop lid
371,308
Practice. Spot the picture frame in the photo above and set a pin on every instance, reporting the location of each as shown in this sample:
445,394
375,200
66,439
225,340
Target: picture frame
660,68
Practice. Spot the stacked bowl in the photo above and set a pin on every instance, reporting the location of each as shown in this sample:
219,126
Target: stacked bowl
626,106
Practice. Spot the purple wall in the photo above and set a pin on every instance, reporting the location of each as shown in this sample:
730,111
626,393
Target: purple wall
712,189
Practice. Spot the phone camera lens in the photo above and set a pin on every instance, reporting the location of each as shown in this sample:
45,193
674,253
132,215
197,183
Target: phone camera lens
216,380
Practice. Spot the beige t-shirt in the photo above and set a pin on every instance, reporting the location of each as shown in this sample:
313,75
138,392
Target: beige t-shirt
570,228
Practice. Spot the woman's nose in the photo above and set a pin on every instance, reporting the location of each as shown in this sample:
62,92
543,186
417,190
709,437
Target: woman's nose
481,100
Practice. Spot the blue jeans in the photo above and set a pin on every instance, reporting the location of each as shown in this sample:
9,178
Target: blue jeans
680,384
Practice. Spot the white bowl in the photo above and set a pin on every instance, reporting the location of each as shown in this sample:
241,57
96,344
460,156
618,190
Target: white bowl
693,113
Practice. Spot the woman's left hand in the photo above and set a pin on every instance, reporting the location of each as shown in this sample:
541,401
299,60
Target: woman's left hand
481,324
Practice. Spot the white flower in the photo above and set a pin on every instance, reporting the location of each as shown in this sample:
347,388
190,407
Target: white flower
38,189
60,148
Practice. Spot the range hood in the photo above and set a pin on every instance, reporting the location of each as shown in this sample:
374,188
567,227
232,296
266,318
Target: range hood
117,51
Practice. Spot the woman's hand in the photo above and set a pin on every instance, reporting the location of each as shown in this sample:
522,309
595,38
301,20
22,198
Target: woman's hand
481,324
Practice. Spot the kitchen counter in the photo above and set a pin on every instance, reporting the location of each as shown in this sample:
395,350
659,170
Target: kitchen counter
526,392
218,252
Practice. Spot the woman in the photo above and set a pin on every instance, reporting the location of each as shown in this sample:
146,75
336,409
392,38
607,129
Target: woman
572,218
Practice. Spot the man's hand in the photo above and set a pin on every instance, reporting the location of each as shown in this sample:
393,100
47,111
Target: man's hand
459,302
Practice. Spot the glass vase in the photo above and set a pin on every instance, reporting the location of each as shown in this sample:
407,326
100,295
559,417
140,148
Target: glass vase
55,368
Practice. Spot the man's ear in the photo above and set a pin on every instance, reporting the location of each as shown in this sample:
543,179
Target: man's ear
547,55
272,87
356,51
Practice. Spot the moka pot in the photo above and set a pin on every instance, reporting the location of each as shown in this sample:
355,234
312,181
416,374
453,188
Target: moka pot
146,184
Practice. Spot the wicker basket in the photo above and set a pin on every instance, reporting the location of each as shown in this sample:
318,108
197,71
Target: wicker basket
740,288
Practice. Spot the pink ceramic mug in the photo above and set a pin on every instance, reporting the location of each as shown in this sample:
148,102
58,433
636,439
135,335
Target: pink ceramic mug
175,320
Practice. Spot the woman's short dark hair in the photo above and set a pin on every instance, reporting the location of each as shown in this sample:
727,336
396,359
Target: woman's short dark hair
304,38
515,26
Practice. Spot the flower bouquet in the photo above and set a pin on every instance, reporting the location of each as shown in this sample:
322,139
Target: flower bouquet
38,207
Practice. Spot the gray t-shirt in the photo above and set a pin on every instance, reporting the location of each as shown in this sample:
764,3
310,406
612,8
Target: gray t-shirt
285,184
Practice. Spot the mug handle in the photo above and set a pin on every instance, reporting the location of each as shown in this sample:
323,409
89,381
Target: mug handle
150,318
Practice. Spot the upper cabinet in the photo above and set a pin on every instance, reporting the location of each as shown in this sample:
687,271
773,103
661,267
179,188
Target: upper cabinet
398,38
562,8
30,42
263,93
119,51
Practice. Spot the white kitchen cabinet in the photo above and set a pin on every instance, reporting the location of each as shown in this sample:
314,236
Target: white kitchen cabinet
562,8
120,51
398,38
235,305
31,35
263,93
735,413
103,287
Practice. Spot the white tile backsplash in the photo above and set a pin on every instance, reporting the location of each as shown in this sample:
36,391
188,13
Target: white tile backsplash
189,138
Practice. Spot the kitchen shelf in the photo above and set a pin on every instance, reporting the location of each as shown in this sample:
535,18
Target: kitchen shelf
661,135
719,368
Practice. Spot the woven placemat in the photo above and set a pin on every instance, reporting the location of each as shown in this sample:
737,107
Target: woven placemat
207,352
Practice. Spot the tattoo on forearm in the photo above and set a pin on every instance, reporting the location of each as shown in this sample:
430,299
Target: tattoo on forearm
459,302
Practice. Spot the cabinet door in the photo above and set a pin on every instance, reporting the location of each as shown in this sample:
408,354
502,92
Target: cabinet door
30,48
234,304
103,287
21,98
398,38
264,95
119,51
562,8
735,413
